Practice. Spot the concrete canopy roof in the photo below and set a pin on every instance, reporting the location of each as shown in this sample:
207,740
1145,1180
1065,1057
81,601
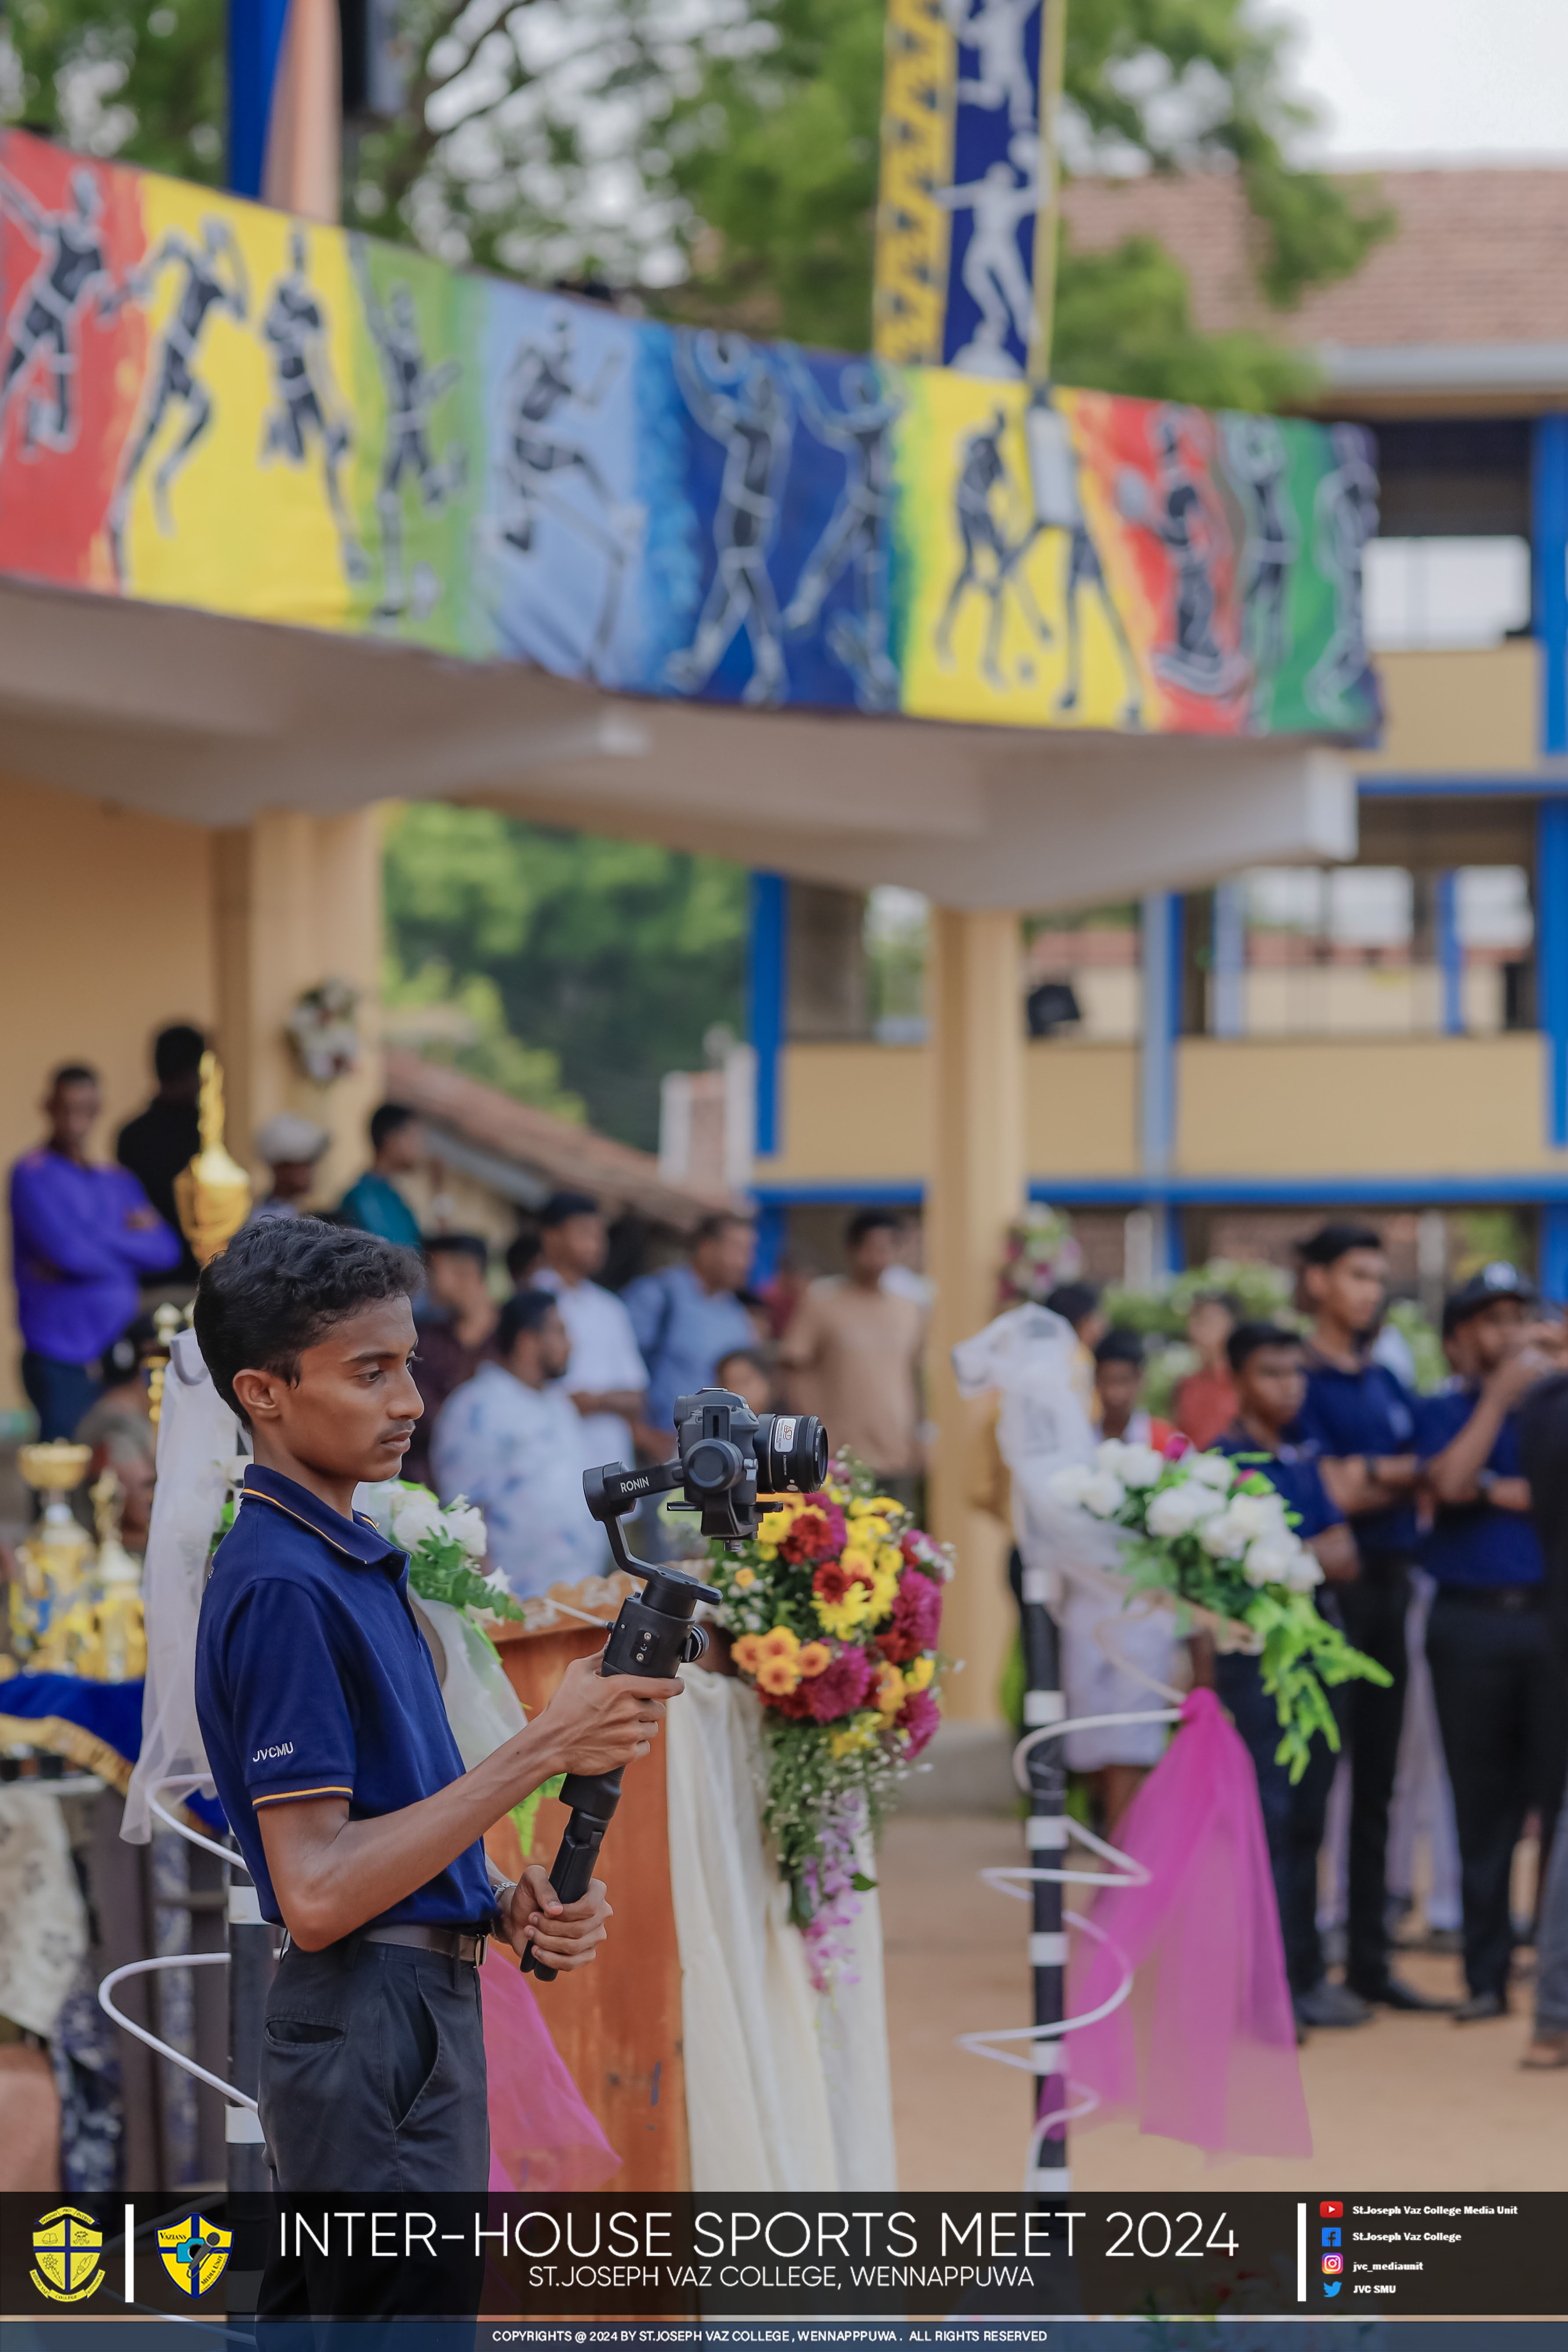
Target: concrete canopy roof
214,720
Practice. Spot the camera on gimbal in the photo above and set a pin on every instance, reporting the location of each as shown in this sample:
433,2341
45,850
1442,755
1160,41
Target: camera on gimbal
726,1459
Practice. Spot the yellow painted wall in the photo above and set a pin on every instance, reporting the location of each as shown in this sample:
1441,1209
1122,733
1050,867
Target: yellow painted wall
859,1114
1460,713
1418,1105
106,934
1302,1106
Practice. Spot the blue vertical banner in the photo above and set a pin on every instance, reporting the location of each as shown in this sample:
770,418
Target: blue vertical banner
255,44
966,177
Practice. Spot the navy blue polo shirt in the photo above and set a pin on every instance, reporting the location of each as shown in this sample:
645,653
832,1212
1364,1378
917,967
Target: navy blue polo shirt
1371,1411
1476,1543
313,1679
1294,1474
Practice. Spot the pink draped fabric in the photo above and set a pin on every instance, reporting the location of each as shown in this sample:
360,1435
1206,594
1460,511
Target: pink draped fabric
1205,2050
542,2133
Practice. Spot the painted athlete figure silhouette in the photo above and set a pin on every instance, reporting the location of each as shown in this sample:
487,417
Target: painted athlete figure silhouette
1193,536
1258,458
753,426
295,330
45,319
983,474
856,529
995,29
206,288
1059,506
413,389
1346,513
537,462
992,269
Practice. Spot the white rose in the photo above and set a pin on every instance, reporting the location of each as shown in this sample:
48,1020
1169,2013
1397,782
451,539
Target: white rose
1257,1515
1107,1455
1140,1466
1306,1571
1068,1486
1224,1536
1216,1470
1176,1509
1104,1495
465,1523
1270,1560
416,1514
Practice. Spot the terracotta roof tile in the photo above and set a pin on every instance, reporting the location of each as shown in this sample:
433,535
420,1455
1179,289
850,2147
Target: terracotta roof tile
1477,257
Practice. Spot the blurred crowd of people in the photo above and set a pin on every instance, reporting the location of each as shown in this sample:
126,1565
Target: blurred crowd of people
1441,1526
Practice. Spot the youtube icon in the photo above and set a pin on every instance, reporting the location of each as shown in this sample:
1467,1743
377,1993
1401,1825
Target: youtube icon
1330,2207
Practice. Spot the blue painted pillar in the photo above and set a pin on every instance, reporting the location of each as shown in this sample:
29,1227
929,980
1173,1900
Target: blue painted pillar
1450,954
767,998
1552,1273
255,40
1551,960
1549,534
1161,995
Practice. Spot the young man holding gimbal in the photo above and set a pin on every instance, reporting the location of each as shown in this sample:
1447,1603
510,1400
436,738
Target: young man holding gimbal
329,1742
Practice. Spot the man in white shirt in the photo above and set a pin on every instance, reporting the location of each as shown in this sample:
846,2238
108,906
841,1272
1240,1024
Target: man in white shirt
605,1377
512,1440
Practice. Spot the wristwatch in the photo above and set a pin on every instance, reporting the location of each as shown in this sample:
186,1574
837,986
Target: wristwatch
501,1892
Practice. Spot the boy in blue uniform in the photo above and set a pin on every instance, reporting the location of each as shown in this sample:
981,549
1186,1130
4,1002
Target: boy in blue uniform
1361,1420
1266,1364
1496,1679
329,1742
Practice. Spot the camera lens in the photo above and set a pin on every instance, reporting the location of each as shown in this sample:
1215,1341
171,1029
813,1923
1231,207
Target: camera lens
712,1465
792,1451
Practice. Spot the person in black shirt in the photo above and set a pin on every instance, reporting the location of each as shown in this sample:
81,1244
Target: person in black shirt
167,1135
1544,1456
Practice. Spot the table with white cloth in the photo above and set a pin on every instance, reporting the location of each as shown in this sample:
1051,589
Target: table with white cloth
697,2038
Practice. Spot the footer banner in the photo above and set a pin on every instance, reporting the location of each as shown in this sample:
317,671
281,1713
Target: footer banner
699,2269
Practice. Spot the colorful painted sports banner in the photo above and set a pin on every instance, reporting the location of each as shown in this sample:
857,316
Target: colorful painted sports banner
205,403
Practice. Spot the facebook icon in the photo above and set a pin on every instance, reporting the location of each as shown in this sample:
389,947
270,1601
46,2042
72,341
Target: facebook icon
1330,2237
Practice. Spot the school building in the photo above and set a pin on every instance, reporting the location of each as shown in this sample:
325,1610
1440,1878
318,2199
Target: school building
1209,1072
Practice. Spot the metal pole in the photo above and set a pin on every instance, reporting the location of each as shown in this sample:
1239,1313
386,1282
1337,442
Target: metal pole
1046,1832
250,1967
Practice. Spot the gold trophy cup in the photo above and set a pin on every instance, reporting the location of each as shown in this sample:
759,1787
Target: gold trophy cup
54,1555
213,1194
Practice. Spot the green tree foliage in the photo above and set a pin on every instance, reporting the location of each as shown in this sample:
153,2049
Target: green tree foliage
117,77
613,957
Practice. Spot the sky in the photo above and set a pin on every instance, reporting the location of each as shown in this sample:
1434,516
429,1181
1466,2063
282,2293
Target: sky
1433,80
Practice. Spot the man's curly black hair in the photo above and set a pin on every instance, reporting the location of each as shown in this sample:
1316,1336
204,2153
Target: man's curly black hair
281,1285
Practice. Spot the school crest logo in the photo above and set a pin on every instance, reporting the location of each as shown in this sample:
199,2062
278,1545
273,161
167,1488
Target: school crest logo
195,2252
67,2247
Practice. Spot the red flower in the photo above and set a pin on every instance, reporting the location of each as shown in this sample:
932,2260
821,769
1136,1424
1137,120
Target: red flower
817,1534
918,1718
916,1619
830,1583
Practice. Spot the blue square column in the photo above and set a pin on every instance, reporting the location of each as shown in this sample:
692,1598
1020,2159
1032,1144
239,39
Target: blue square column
767,998
1549,534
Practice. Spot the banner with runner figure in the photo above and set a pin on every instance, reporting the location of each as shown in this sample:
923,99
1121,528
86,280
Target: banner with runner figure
206,404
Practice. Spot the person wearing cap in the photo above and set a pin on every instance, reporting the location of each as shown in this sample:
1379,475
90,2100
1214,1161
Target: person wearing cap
457,1322
606,1376
291,1147
1097,1630
1361,1418
513,1442
1266,1366
1496,1679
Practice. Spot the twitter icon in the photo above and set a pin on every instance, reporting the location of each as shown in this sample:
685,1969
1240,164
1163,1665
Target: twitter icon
1332,2286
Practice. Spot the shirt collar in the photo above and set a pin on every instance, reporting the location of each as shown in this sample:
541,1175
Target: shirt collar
358,1538
1242,1439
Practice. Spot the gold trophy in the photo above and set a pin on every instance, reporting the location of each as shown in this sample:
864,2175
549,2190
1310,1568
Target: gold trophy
213,1194
115,1650
54,1555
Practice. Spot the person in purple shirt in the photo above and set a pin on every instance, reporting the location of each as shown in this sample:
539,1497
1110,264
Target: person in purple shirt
83,1237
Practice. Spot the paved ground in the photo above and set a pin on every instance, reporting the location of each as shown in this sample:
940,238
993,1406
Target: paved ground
1402,2102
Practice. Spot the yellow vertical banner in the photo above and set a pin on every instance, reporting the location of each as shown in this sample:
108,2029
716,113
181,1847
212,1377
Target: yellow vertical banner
913,231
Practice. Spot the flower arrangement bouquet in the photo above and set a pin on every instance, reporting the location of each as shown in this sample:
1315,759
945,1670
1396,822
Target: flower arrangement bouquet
1219,1538
1040,1251
834,1607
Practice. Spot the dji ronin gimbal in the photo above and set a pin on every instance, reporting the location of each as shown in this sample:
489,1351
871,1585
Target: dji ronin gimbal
726,1456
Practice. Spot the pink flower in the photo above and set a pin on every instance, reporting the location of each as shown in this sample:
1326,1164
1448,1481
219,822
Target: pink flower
841,1687
917,1719
916,1619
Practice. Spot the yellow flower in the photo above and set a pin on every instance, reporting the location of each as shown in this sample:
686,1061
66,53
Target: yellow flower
854,1562
748,1653
887,1506
842,1617
890,1561
890,1693
767,1551
773,1529
834,1494
813,1659
744,1577
854,1736
779,1644
919,1672
777,1676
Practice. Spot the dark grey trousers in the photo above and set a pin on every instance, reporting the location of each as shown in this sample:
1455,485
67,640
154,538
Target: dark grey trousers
373,2079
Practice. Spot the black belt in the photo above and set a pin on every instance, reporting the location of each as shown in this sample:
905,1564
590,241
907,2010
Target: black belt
1512,1598
453,1943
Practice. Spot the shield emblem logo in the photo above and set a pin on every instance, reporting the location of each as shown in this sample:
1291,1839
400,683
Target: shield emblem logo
195,2253
67,2247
